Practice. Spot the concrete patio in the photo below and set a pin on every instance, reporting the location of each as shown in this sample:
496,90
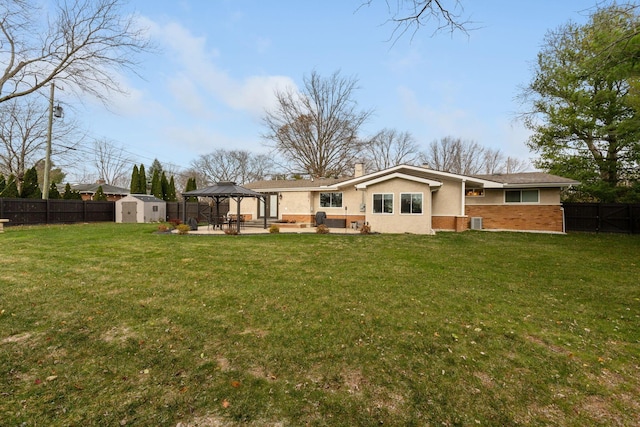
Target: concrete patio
203,229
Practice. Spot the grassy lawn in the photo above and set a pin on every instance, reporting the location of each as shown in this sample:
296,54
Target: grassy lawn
112,324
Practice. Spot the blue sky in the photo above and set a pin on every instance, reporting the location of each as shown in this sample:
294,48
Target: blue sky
219,62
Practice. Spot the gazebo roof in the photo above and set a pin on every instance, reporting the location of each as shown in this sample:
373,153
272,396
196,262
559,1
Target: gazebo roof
224,189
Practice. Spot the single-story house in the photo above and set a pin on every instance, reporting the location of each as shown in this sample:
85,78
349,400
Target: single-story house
141,208
87,191
413,199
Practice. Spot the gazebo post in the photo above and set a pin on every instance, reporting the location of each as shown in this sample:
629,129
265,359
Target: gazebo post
264,217
238,217
217,199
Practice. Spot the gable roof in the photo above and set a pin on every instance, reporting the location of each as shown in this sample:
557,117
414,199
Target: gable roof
429,182
417,173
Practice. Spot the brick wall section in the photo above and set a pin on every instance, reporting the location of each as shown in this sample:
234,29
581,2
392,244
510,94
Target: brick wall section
298,218
443,222
452,223
311,219
518,217
462,223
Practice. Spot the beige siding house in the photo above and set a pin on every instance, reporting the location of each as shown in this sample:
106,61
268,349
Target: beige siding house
412,199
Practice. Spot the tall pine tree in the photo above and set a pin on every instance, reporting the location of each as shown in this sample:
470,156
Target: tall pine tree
11,189
134,188
99,195
142,179
54,194
155,166
70,194
30,187
191,185
156,187
171,192
164,185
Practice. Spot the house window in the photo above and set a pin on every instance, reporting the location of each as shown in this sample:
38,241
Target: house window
383,203
411,203
521,196
474,192
154,208
330,200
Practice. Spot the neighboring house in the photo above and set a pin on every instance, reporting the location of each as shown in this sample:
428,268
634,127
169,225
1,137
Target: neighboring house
141,208
87,191
412,199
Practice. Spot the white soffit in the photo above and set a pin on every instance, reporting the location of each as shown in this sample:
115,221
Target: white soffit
428,182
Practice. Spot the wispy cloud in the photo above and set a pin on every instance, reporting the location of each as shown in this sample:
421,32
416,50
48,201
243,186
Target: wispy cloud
195,63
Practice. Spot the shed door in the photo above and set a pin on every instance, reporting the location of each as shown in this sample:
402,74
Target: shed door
129,211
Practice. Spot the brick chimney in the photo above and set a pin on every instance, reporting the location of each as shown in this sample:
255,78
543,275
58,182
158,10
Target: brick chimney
101,181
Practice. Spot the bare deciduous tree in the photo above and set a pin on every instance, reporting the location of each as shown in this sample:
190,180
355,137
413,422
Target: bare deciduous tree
469,158
455,155
514,165
389,148
316,130
23,137
112,163
412,15
84,43
237,166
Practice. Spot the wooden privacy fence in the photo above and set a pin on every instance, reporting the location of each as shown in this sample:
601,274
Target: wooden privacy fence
602,217
38,211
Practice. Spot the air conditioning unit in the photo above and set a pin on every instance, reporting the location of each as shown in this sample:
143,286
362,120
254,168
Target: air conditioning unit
476,223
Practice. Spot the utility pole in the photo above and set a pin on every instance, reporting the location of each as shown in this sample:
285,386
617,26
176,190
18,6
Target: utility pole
47,158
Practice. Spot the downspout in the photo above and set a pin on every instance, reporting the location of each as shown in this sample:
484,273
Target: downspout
462,199
431,191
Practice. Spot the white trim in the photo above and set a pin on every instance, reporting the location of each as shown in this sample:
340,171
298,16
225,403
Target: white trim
429,182
537,185
411,213
393,204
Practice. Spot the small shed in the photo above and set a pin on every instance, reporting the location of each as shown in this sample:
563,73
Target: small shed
140,208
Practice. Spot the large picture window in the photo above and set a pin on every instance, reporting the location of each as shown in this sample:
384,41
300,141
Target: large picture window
330,200
383,203
411,203
521,196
